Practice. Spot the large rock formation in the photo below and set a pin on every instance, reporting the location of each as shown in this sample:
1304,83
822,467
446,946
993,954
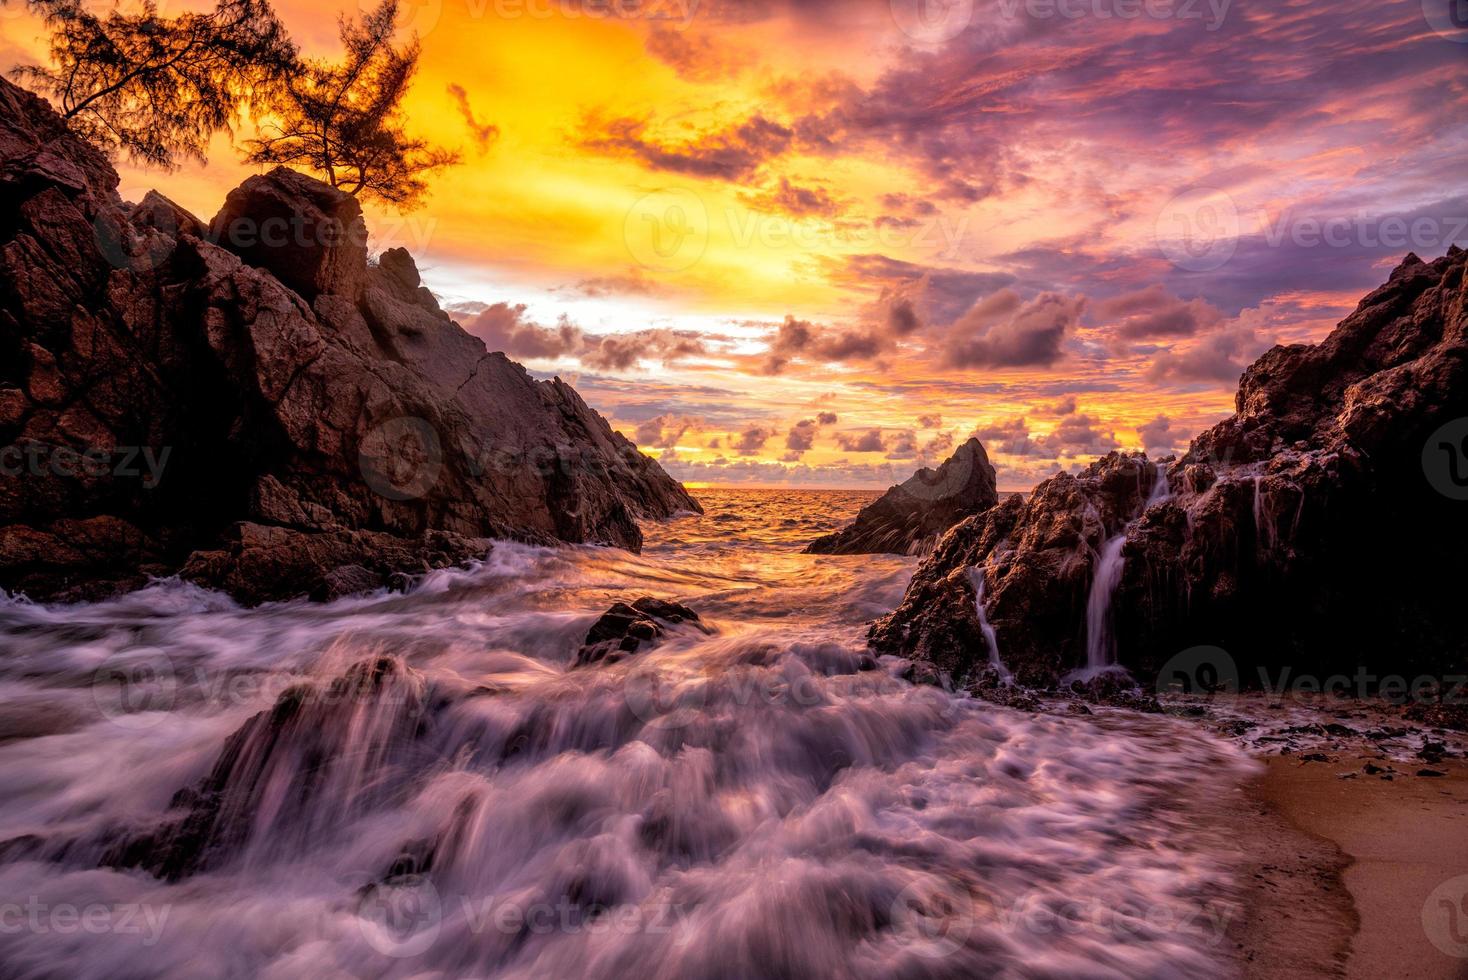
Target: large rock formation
909,518
254,403
1319,529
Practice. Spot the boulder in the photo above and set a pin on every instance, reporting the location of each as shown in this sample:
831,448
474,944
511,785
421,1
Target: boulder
167,389
626,628
909,518
1315,530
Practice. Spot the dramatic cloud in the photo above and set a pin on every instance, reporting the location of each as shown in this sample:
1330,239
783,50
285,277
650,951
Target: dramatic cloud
1000,331
751,440
733,153
797,201
484,133
504,328
930,421
1153,312
869,441
695,57
1158,437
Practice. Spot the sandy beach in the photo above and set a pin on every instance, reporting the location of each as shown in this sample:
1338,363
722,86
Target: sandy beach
1346,869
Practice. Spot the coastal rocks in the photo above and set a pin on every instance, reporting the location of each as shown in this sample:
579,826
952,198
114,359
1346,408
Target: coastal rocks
292,771
256,391
910,517
1311,531
626,628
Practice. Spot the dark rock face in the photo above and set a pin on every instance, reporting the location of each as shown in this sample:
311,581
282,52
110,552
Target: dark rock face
909,518
624,629
1304,532
255,391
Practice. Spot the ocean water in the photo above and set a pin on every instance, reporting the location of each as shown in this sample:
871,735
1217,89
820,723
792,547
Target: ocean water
424,785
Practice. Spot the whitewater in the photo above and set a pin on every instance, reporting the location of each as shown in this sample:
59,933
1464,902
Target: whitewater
424,785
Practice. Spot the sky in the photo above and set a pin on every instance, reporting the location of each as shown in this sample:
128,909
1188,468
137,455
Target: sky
822,242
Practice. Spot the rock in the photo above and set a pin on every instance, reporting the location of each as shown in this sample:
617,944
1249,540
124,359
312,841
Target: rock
169,385
312,740
625,629
1430,773
1299,533
910,517
309,235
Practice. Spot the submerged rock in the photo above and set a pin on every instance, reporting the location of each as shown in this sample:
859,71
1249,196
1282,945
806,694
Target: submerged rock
625,629
165,381
1315,529
910,517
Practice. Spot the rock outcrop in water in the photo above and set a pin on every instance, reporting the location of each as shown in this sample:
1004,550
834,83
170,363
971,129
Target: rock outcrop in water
1319,529
254,403
910,517
626,628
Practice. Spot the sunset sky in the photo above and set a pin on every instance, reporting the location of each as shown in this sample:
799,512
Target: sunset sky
821,242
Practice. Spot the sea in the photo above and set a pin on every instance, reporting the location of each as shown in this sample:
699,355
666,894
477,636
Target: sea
427,785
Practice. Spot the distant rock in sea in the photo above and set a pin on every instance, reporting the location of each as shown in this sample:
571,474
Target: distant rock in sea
1318,531
909,518
253,403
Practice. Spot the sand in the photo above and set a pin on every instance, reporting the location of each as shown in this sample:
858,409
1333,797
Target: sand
1340,869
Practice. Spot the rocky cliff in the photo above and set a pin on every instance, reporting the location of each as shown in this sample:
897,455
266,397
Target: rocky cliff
909,518
1319,529
254,403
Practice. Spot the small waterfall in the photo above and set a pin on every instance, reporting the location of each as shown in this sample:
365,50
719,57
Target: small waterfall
1100,645
1161,492
976,576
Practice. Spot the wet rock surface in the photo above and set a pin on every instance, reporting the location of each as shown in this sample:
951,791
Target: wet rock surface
170,386
626,628
1312,530
911,516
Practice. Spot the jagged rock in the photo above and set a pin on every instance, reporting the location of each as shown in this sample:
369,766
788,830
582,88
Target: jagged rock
1301,532
910,517
309,744
210,378
625,628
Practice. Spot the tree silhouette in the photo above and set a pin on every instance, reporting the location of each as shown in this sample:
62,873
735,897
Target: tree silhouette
343,120
155,87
